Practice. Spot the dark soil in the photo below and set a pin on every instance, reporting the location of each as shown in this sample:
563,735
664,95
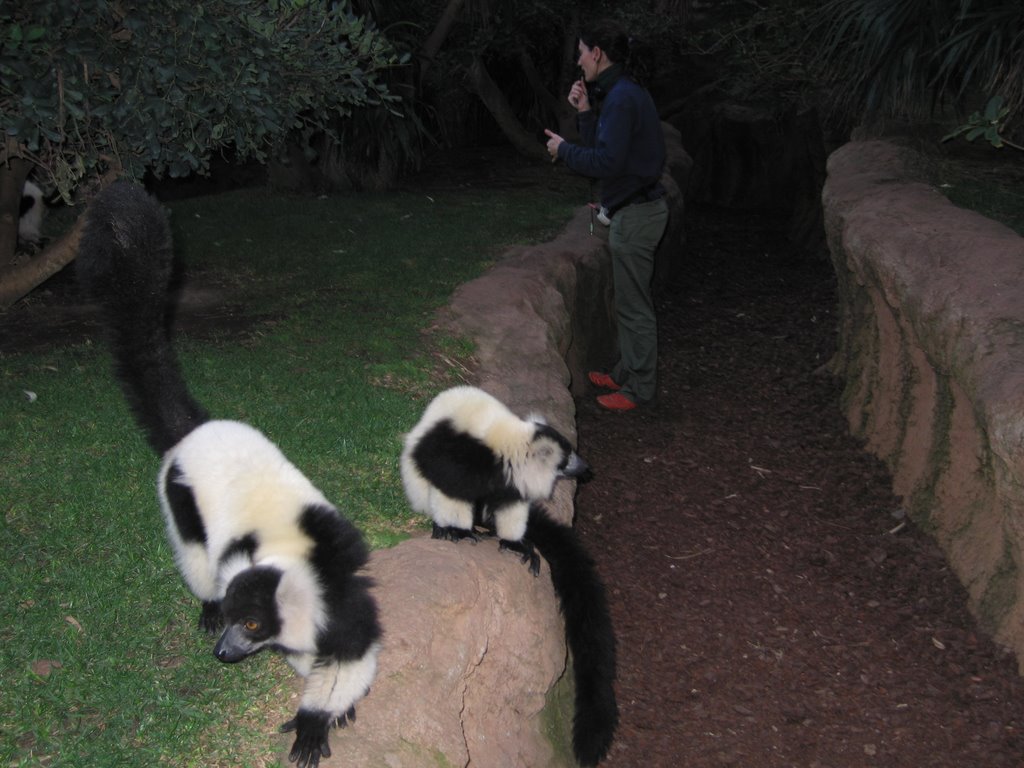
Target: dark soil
773,605
56,313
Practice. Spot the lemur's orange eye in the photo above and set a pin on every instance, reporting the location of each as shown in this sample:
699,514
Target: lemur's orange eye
252,625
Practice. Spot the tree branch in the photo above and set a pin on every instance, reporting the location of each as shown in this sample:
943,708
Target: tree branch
482,85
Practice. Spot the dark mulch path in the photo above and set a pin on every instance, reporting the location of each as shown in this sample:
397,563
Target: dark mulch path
771,610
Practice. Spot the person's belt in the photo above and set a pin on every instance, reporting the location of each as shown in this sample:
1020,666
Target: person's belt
643,195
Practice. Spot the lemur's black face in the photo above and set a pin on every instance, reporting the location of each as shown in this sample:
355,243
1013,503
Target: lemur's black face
577,468
250,614
555,454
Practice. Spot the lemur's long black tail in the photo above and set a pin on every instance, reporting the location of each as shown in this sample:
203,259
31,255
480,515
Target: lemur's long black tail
588,632
125,263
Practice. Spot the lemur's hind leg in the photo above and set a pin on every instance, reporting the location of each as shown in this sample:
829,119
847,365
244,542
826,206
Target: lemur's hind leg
527,552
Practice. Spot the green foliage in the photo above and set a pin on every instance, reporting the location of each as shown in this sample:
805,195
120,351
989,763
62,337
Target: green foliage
761,53
905,58
101,663
987,125
87,87
985,52
880,53
373,147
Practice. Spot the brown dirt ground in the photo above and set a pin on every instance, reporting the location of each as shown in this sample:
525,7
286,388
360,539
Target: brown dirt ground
773,606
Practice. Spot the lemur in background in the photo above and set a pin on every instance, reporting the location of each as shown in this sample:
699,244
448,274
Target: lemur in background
30,215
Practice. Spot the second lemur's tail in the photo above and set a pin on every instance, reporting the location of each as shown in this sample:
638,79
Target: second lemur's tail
125,263
588,632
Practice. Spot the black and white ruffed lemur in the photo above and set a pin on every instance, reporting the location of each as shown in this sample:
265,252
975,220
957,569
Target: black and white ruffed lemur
470,462
274,563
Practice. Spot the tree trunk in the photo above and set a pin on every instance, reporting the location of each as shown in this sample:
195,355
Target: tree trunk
433,44
482,85
570,71
16,281
568,74
554,106
558,107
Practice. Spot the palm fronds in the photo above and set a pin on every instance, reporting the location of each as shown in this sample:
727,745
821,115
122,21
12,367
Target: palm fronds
904,58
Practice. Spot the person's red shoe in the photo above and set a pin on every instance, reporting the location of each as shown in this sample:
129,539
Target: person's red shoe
616,402
602,380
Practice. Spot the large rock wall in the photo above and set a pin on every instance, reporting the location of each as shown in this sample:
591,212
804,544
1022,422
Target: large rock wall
931,347
472,670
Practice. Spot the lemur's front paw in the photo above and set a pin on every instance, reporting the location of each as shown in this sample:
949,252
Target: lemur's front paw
312,729
210,619
453,533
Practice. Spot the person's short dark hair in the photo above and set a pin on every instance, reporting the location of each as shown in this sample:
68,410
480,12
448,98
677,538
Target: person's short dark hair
609,37
619,47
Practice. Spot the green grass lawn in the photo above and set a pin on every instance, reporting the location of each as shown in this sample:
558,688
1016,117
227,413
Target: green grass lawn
101,663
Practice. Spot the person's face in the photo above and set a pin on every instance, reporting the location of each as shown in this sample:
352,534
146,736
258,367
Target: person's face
590,61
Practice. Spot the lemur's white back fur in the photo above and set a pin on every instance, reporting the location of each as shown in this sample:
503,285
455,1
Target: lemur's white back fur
529,464
242,483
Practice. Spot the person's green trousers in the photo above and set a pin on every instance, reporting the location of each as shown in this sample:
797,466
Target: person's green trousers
633,238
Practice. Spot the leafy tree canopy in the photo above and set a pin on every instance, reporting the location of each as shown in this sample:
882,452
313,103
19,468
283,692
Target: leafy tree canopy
87,87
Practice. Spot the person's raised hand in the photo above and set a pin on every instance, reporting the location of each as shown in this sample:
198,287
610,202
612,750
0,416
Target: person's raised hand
554,141
578,96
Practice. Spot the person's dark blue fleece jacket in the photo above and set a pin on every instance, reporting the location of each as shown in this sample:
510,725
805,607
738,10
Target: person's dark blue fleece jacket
623,144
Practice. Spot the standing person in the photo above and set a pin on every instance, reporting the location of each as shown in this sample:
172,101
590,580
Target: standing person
623,145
